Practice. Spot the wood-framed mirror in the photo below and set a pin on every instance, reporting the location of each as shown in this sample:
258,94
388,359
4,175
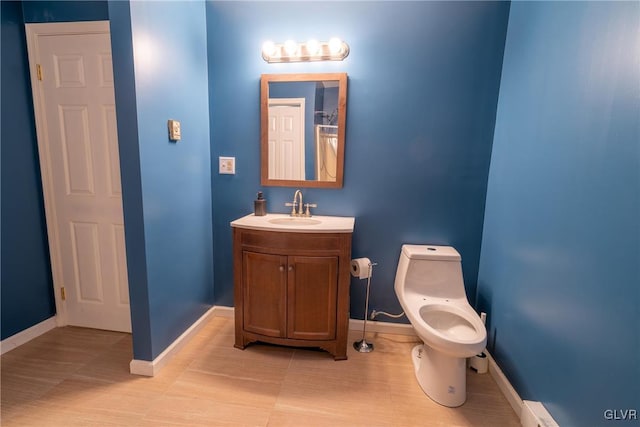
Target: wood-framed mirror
302,129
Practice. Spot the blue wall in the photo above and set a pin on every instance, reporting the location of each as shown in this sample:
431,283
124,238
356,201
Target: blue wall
160,66
129,152
27,285
65,11
422,95
560,266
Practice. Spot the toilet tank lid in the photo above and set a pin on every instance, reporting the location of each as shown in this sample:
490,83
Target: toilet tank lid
440,253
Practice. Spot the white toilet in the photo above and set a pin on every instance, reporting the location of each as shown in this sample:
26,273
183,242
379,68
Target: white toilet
431,291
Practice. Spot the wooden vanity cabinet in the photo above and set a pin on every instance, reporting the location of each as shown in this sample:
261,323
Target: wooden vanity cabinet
292,288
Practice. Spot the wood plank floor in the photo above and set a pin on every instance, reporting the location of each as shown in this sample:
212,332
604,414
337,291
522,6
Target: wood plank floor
80,377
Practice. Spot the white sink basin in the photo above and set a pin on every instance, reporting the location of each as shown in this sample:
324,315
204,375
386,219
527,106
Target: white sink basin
294,221
286,223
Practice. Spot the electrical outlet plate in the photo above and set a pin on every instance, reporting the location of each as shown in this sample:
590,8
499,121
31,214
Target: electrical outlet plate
227,165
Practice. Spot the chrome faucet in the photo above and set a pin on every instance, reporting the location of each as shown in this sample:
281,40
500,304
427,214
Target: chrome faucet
297,201
298,195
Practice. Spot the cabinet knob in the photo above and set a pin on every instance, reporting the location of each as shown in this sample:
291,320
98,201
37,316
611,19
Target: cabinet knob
282,268
291,268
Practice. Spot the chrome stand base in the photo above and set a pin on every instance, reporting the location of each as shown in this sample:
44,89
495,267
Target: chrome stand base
363,346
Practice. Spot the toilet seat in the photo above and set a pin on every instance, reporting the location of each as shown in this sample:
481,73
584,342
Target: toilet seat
451,327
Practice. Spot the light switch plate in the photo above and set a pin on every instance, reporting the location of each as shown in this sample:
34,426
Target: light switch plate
174,130
227,165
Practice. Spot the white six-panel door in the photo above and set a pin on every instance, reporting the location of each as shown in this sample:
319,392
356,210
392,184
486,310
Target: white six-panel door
72,79
286,138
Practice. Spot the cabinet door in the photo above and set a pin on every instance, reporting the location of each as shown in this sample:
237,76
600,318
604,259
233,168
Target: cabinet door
265,293
312,297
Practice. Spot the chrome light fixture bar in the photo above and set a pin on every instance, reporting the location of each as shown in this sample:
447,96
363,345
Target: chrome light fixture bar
312,50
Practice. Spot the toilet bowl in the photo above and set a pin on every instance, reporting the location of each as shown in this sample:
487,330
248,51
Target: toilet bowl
431,291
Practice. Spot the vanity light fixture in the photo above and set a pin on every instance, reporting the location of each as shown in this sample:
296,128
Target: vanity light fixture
313,50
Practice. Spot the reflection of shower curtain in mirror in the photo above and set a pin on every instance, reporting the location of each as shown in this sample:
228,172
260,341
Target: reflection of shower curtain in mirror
326,152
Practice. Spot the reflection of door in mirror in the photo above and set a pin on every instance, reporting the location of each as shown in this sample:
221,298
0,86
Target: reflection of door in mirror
286,138
326,152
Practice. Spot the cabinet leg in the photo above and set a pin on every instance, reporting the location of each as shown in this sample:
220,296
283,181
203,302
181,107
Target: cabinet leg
240,342
337,353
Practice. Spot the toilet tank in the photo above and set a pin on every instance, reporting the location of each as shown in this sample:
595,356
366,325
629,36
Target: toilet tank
434,271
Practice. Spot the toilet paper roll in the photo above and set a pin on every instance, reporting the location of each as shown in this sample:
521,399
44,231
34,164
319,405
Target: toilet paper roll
360,268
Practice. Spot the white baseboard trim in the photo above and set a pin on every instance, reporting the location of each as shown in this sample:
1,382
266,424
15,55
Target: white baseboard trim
27,335
223,311
534,414
382,327
151,368
505,386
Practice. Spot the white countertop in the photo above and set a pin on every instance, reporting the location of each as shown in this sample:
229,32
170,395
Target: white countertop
289,224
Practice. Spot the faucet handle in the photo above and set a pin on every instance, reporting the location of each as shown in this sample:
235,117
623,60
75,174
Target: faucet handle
309,205
293,207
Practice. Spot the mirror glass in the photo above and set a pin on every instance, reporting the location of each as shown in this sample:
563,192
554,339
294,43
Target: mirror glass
302,129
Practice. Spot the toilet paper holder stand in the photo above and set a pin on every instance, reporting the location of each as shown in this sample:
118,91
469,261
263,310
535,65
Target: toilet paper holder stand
363,346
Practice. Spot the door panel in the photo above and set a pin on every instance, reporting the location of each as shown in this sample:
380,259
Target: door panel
86,262
111,136
264,293
312,297
120,264
76,152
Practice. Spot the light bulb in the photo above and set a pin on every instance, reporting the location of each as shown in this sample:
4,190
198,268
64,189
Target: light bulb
291,48
335,46
313,47
269,49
